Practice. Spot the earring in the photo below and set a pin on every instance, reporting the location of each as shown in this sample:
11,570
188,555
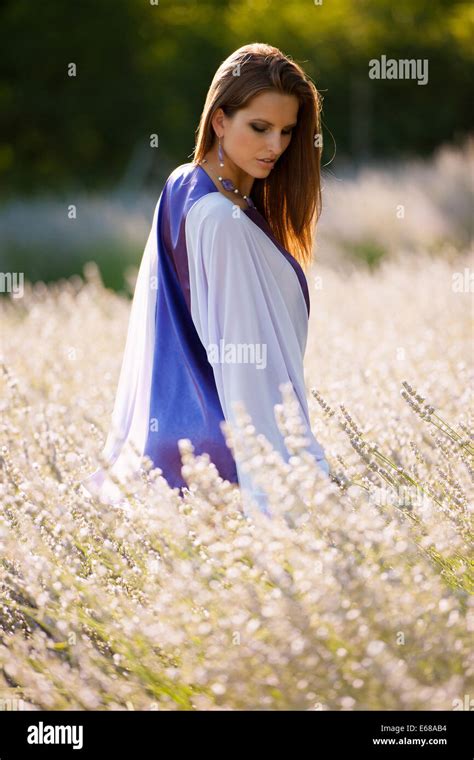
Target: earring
220,154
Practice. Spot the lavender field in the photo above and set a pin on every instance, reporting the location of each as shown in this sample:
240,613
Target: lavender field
358,594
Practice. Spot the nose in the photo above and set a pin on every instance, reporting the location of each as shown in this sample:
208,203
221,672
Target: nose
274,145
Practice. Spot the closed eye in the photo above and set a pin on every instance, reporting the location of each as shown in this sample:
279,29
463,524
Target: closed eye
260,129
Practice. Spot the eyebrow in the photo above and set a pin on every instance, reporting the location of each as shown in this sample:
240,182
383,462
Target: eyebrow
272,125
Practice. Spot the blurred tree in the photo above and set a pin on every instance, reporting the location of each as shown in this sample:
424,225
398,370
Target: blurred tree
144,69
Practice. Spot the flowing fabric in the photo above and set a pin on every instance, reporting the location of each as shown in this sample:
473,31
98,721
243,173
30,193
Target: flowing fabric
219,314
129,424
251,314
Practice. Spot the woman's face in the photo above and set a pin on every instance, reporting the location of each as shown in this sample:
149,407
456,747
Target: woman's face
260,130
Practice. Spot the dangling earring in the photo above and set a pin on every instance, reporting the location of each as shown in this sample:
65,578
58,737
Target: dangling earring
220,154
227,184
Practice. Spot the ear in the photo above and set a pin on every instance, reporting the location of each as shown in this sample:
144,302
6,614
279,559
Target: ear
218,122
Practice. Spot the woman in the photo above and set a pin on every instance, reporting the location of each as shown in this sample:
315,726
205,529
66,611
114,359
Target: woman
220,309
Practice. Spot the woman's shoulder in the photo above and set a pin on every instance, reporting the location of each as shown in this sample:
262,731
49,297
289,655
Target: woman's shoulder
191,182
215,221
215,211
181,170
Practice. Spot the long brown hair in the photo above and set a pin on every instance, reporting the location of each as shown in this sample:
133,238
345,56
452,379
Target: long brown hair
290,197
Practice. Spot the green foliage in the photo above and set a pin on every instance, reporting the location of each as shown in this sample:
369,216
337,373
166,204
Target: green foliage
145,68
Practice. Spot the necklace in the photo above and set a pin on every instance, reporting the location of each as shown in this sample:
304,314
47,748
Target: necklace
228,185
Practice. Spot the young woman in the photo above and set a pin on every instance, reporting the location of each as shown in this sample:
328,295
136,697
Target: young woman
221,305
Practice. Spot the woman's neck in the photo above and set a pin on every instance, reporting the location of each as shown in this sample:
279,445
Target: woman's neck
242,181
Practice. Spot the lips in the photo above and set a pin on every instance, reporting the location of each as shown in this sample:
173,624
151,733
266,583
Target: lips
266,162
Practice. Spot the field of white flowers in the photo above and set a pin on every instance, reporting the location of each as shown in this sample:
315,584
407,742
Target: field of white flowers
357,595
